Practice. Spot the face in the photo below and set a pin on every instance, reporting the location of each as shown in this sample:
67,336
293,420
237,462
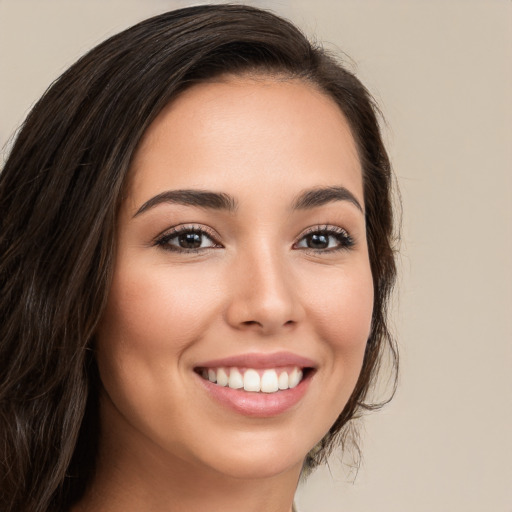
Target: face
242,264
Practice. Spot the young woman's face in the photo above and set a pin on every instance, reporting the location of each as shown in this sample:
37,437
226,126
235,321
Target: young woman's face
241,262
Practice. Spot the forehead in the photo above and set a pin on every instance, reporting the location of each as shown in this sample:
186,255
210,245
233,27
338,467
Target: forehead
227,133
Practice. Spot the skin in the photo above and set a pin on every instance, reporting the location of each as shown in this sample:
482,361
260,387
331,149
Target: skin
259,289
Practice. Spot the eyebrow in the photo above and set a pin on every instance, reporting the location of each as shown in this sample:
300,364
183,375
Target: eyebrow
308,199
320,196
200,198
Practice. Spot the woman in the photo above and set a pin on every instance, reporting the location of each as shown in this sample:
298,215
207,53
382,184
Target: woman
196,258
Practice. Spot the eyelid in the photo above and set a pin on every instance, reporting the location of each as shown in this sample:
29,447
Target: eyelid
162,238
345,240
323,228
331,230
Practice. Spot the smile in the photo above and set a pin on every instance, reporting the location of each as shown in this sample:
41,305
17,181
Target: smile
255,384
270,380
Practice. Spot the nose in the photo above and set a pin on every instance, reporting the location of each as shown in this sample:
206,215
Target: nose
264,294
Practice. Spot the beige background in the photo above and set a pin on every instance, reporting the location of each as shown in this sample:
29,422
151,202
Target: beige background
442,71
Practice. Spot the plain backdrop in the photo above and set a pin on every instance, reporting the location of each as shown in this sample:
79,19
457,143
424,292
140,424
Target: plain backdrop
441,71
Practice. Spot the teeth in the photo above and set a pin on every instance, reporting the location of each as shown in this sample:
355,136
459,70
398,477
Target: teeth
265,381
269,381
294,378
252,381
283,381
236,381
222,377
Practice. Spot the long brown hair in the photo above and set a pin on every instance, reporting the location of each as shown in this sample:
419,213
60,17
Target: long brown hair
60,192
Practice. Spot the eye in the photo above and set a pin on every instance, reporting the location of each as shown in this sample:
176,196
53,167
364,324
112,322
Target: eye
326,239
187,239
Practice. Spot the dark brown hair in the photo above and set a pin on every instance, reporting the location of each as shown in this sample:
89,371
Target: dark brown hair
60,191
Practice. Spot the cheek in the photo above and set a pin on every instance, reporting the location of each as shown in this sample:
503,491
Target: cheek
340,310
342,307
153,311
150,320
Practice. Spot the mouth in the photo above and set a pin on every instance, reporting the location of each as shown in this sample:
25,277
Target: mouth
256,384
255,380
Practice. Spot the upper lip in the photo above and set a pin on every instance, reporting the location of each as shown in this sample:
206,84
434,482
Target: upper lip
259,360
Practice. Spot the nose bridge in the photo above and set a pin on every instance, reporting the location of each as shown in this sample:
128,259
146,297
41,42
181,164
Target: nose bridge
265,295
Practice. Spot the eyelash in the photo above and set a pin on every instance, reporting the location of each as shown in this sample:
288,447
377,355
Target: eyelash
343,238
163,240
345,241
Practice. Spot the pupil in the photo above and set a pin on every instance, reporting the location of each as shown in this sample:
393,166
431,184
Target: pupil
190,240
318,241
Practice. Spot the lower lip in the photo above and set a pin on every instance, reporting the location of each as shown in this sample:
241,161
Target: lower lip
260,405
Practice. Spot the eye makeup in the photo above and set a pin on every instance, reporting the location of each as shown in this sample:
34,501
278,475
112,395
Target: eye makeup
188,239
326,238
197,238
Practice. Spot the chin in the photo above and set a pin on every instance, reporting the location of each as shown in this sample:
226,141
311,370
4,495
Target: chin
262,467
262,457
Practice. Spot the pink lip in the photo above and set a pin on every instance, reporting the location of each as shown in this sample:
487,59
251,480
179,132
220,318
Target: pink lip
258,405
262,405
258,360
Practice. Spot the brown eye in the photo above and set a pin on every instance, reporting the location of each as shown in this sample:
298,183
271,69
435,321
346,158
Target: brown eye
326,239
186,240
317,241
190,240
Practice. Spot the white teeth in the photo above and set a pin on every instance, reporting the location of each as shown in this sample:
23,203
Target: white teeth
283,381
222,377
269,382
294,378
252,381
236,381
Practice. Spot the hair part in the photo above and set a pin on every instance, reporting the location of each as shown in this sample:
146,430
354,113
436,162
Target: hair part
60,193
